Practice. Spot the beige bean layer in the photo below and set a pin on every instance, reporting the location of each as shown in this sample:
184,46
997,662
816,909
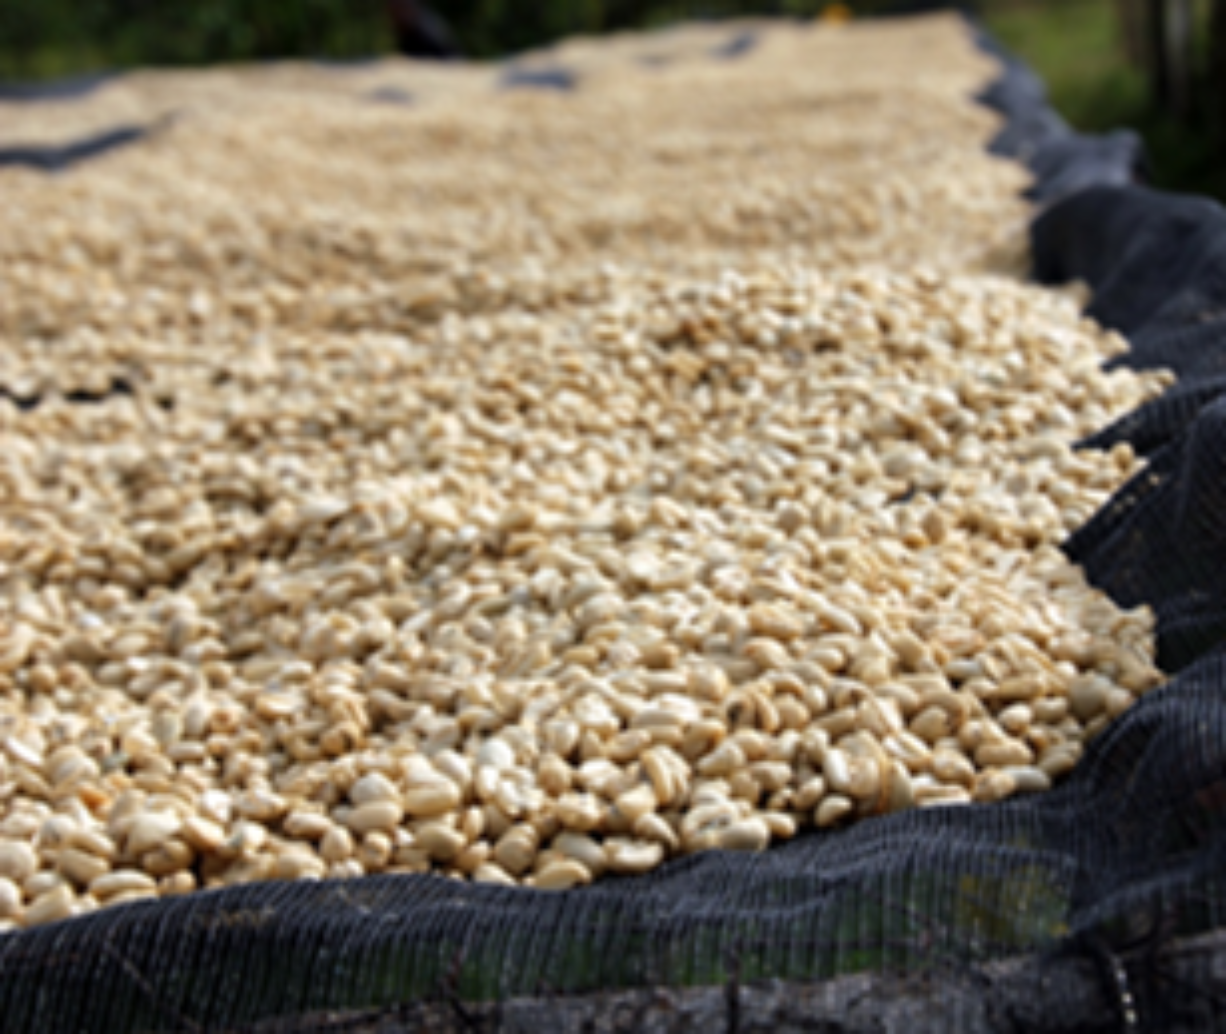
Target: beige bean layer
556,487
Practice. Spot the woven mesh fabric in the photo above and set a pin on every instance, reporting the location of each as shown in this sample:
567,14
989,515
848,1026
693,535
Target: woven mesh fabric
1156,262
1063,161
1098,906
58,90
58,159
1157,266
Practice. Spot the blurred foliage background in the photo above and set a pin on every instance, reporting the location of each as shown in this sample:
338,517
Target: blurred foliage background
1105,61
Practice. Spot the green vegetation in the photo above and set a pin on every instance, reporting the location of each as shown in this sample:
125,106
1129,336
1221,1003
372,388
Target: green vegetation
1075,45
48,38
1078,49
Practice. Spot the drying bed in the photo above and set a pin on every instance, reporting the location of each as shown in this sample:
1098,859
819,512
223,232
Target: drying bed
535,490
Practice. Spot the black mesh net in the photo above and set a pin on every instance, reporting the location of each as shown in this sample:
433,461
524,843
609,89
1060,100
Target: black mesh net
1062,160
1162,538
1100,906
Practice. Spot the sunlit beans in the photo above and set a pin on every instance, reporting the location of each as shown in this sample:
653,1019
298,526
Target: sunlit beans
571,532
